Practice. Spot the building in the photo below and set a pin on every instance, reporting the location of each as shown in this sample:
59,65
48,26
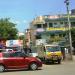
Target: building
20,33
50,29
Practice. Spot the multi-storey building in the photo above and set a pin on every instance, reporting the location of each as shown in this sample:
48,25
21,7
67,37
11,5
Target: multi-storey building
50,29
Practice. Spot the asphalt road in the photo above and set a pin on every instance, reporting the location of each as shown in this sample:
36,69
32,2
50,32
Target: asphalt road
66,68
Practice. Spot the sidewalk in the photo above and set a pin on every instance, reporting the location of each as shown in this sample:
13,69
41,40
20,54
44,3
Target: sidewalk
73,57
69,57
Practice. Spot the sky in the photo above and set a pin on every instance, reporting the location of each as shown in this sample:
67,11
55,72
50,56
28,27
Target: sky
22,12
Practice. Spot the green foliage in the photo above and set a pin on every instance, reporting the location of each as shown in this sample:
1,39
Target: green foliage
73,36
21,37
56,39
7,29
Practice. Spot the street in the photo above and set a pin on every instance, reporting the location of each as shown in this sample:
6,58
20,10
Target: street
34,33
65,68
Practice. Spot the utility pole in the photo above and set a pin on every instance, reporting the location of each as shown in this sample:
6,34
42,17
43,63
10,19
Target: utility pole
69,27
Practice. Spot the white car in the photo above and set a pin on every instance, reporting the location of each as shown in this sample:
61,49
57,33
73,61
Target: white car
34,54
8,50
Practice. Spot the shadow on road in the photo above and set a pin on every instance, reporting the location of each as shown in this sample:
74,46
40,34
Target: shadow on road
19,70
50,63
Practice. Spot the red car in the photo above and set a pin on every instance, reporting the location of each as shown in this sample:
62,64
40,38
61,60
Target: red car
18,60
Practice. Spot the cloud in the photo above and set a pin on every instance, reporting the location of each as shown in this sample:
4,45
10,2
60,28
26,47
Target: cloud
20,21
17,22
21,25
26,22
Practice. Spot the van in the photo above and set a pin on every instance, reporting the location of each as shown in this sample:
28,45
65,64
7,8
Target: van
50,53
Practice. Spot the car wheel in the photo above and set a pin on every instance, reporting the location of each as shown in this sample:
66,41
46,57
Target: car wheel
2,68
33,66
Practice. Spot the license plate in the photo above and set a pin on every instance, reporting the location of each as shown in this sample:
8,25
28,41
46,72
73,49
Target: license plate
54,57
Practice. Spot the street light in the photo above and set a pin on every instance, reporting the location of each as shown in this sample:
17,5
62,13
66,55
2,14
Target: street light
69,27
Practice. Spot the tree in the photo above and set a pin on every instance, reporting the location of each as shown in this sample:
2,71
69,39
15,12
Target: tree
22,37
8,30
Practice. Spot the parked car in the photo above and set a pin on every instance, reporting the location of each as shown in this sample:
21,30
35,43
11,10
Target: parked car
6,50
34,54
18,60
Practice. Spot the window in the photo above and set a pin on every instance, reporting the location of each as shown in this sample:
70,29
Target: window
61,22
39,26
60,35
12,55
65,23
38,36
52,35
6,55
50,25
45,25
56,25
72,24
17,54
53,48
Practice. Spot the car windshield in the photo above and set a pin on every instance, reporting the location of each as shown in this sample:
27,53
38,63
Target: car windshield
52,48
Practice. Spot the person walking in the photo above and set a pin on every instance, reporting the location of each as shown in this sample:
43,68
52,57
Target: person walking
27,50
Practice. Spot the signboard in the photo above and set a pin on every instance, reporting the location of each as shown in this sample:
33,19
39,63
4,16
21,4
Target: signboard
56,29
14,43
53,17
40,30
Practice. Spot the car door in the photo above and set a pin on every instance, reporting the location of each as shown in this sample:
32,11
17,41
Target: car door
15,60
19,60
8,60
